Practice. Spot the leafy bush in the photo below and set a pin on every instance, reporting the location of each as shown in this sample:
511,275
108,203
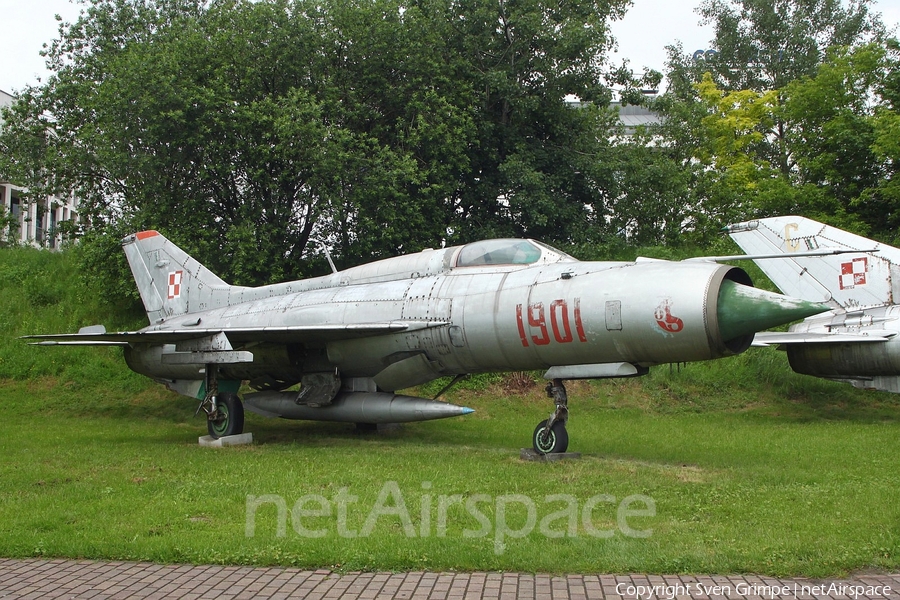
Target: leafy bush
45,292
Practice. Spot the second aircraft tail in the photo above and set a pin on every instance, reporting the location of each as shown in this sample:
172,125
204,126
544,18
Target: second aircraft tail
852,280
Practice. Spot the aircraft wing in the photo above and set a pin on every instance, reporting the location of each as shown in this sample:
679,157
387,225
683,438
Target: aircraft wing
95,336
772,338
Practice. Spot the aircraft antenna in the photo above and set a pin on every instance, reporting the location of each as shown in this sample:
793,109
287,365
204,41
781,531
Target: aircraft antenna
327,254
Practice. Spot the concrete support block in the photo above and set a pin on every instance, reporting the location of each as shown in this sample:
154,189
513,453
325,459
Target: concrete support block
208,441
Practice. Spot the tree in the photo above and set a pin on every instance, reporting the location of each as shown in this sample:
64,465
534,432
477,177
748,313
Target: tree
764,45
733,130
649,204
832,133
775,160
538,168
245,129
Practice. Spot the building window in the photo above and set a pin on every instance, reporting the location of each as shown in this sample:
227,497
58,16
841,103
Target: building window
52,231
15,211
40,218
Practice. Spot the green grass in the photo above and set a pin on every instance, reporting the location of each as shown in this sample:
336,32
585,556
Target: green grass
751,468
759,489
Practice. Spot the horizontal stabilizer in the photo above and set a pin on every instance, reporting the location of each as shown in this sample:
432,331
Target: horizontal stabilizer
772,338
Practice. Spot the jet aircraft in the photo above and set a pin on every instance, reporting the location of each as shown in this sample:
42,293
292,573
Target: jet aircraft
857,340
351,339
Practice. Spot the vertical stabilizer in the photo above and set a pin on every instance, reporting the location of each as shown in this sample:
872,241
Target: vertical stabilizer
853,280
171,283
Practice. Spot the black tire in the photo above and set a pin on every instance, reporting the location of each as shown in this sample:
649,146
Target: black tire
231,416
552,441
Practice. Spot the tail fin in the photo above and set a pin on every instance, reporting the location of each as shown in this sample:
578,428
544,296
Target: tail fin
171,283
849,280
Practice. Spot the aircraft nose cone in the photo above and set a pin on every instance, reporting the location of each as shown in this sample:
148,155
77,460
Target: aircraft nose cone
743,310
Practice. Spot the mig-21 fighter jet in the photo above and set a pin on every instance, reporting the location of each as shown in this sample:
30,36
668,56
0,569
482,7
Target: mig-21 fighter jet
350,340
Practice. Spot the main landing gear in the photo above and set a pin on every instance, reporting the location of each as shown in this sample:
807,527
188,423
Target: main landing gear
550,436
228,418
224,411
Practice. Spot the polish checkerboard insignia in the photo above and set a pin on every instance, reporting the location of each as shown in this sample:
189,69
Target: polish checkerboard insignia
174,289
853,273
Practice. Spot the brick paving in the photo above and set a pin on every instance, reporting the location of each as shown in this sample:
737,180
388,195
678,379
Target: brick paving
84,579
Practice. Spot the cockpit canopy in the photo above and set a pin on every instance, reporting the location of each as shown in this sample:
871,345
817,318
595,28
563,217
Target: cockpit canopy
507,252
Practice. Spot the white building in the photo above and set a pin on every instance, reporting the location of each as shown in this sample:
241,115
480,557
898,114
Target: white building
33,223
633,117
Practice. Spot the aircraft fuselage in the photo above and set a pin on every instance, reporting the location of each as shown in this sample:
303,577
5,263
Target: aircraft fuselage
478,319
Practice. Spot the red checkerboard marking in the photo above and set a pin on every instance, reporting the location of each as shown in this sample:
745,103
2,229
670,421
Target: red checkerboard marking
853,273
175,278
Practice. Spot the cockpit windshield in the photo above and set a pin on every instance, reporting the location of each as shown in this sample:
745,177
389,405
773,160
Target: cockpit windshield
563,257
498,252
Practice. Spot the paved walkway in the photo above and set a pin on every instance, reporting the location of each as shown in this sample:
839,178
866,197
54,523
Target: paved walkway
39,579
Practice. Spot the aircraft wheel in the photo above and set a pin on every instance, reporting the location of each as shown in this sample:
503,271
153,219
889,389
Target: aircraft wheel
231,416
550,441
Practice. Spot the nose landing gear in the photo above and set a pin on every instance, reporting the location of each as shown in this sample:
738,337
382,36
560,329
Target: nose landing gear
550,436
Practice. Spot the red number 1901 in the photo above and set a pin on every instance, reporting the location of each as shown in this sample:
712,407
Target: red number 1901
559,323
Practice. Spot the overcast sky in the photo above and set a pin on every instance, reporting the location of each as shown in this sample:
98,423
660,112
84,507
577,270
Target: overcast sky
649,26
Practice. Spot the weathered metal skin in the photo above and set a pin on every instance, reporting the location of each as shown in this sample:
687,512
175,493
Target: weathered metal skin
354,407
512,318
495,305
278,361
525,319
849,360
